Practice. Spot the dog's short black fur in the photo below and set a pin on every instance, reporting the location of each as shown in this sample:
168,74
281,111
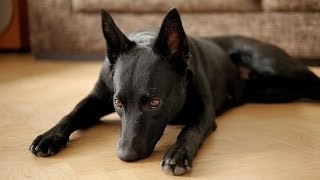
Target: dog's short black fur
156,77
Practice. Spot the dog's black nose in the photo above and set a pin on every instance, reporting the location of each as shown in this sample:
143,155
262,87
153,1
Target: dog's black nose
132,153
127,155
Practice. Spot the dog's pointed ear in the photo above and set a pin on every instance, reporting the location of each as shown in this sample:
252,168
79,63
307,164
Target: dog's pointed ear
172,40
117,42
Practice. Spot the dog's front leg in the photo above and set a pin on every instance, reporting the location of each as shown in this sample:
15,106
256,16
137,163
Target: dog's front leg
178,159
85,114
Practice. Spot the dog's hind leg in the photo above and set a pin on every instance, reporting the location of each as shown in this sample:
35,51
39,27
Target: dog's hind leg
271,75
88,111
286,81
277,90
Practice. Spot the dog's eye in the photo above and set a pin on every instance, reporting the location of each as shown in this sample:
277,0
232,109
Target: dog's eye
118,103
154,103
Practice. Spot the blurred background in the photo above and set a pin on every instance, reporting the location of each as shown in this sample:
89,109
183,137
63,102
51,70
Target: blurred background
51,53
71,29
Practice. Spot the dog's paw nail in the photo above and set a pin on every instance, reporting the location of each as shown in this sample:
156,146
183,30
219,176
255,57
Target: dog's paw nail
188,168
31,147
173,162
37,148
41,154
179,170
186,162
162,163
167,161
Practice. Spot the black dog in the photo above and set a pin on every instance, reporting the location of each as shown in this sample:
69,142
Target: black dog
157,77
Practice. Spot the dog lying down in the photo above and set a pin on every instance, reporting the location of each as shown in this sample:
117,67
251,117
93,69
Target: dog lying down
157,77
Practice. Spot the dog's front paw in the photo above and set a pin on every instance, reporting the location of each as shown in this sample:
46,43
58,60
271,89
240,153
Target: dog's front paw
48,144
176,161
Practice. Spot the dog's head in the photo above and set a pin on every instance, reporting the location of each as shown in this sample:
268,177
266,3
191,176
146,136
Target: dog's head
149,82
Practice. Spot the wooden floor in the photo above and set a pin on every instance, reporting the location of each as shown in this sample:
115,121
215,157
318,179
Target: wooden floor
255,141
